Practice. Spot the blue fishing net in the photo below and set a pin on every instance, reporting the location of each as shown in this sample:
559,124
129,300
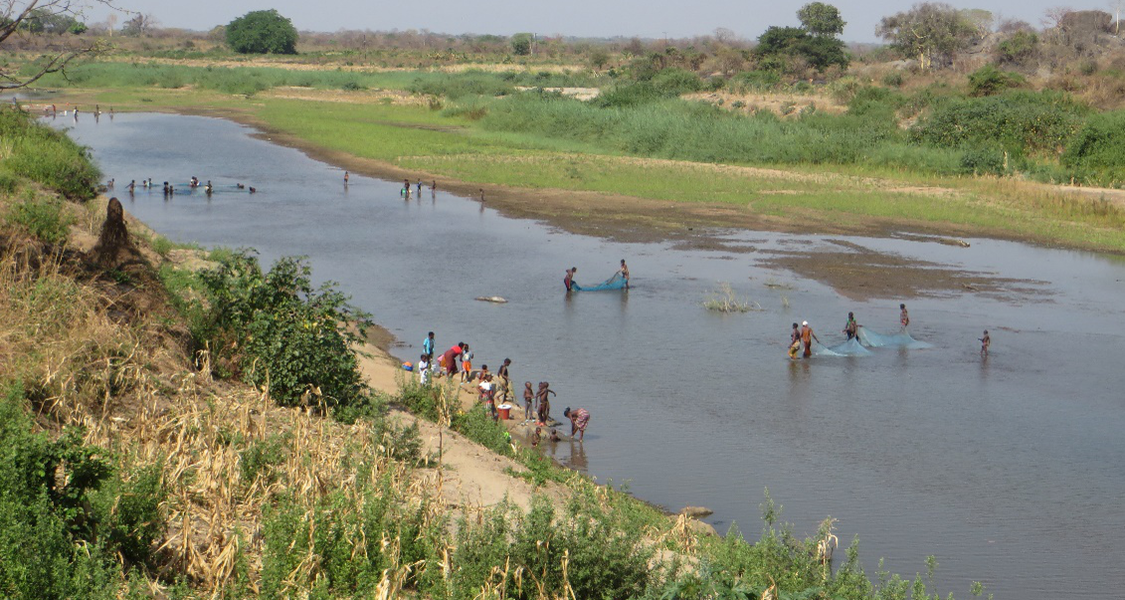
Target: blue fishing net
617,282
851,347
874,339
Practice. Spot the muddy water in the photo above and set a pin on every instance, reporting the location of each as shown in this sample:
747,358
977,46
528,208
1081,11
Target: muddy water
1009,470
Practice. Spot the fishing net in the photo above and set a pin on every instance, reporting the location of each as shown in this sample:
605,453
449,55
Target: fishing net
617,282
874,339
851,347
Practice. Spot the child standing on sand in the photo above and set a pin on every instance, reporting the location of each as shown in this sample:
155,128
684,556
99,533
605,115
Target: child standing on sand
424,369
528,400
466,364
544,402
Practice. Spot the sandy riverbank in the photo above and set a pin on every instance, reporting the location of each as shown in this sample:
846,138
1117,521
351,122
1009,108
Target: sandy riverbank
468,473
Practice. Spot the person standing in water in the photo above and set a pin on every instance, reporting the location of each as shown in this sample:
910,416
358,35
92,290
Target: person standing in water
624,270
985,343
903,317
851,328
346,177
568,280
795,342
428,345
807,336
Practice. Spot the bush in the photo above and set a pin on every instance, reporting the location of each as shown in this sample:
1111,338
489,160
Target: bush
1016,121
43,218
754,81
1099,145
276,328
893,79
64,514
1020,47
675,81
982,161
989,80
47,156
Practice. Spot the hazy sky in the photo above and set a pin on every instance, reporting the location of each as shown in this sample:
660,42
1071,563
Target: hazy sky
596,18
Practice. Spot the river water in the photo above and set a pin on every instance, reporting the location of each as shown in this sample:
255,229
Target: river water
1010,470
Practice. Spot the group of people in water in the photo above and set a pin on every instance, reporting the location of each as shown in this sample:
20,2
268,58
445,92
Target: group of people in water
571,285
802,336
496,388
169,189
50,110
405,191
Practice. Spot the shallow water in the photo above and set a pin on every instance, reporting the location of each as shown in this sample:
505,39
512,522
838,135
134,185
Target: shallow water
1009,469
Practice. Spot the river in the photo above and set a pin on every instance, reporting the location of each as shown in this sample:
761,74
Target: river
1009,470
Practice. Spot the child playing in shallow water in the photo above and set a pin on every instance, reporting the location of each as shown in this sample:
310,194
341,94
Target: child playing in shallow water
528,399
985,342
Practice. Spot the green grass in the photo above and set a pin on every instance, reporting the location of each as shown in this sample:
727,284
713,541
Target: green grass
843,169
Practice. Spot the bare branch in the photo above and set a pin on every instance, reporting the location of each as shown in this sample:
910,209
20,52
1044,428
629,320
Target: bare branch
16,16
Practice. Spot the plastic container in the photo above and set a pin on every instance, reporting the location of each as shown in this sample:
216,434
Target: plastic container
505,411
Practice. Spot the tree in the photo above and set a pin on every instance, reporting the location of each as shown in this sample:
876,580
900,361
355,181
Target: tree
139,25
979,18
16,16
262,32
931,31
818,51
819,18
521,44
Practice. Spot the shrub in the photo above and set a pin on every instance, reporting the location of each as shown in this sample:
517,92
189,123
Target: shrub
1020,47
982,160
46,156
1099,145
757,81
892,79
1017,121
64,514
278,328
477,425
43,218
989,80
675,81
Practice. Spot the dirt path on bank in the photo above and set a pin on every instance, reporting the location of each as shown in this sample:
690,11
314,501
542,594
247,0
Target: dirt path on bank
469,474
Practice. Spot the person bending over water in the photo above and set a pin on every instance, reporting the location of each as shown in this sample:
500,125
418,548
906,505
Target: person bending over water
568,280
579,419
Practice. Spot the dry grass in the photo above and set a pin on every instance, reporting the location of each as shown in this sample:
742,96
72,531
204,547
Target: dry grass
136,396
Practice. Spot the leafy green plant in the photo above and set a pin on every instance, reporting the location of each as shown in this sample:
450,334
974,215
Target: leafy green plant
1099,146
277,329
46,156
42,217
989,80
